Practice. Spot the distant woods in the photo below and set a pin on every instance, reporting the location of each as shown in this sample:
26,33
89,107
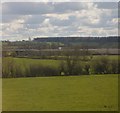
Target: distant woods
55,46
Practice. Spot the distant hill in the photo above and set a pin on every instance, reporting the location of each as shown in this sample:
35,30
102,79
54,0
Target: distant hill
90,42
77,39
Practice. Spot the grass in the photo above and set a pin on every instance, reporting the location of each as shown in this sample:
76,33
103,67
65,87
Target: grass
28,61
111,57
73,93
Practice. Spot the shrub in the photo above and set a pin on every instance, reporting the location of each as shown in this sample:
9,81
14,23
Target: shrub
101,66
8,65
114,67
69,68
40,70
78,69
86,69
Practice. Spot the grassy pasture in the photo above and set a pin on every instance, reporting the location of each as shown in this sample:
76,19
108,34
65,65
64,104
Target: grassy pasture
28,61
111,57
61,93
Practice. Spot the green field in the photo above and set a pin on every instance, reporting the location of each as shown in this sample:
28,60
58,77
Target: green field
111,57
28,61
79,93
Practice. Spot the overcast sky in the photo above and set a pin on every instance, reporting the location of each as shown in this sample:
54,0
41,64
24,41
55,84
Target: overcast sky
36,19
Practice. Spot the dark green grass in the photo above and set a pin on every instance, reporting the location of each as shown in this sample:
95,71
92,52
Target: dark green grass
79,93
110,57
29,61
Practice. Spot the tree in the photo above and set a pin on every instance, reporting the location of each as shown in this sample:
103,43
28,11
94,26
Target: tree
87,69
70,65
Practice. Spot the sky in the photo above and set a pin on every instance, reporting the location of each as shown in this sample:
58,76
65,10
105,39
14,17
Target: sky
21,20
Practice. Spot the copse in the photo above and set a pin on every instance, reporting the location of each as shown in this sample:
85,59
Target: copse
104,65
74,60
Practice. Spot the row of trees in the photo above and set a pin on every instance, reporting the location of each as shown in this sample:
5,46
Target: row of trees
69,66
73,65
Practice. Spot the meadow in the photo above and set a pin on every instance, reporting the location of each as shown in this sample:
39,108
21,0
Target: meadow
61,93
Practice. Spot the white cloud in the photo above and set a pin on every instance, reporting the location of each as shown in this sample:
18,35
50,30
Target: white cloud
70,19
59,16
60,1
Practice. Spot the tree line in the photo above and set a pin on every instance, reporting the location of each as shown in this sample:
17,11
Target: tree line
72,65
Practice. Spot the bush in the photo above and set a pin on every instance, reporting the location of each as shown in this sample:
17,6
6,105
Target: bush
78,69
101,66
114,67
86,69
12,69
68,68
8,66
40,70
